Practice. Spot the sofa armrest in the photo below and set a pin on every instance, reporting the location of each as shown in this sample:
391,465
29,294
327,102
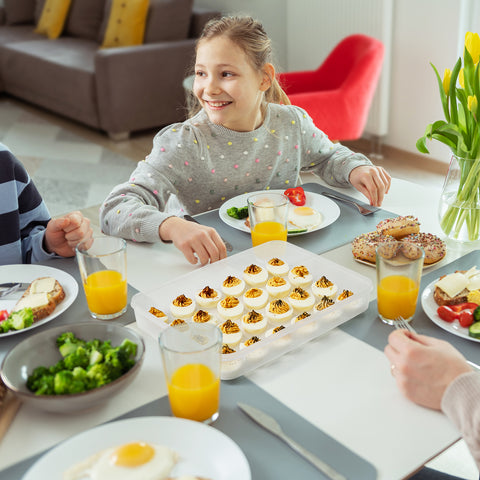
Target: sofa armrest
141,87
200,16
3,16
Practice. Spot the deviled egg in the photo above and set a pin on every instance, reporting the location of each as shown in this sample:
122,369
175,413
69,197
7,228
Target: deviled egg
255,275
230,307
345,294
254,323
300,317
207,297
182,307
278,287
255,298
324,288
277,267
279,311
324,303
231,333
233,286
300,276
201,316
300,299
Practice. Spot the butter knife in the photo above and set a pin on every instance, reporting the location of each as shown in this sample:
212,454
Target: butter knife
270,424
8,288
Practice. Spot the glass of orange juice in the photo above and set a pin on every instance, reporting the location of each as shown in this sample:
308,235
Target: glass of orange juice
103,268
191,361
268,215
399,271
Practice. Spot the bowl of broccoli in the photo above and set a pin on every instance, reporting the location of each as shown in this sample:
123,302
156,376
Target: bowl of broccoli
72,368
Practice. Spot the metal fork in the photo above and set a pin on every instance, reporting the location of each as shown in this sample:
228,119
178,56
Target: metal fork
362,210
402,324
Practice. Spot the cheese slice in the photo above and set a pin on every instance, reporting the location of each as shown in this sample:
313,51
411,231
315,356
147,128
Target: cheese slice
453,283
33,300
474,282
40,285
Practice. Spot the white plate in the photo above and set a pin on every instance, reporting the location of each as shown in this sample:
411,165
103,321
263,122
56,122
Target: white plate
329,210
430,308
203,450
28,273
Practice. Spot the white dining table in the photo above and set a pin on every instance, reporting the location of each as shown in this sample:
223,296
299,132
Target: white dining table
337,382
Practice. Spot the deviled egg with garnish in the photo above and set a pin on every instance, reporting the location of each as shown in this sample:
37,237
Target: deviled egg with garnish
177,321
300,317
207,297
182,307
226,349
279,311
254,323
255,275
255,298
345,294
308,328
300,276
202,316
300,299
231,333
324,303
324,288
157,313
278,287
257,353
233,286
277,267
282,340
230,307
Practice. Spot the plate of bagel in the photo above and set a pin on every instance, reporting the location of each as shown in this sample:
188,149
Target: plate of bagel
49,294
402,228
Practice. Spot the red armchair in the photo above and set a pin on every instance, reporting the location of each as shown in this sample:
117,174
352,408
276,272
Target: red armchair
339,93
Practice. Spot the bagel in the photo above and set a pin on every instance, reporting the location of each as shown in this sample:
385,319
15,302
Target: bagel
399,227
364,246
435,248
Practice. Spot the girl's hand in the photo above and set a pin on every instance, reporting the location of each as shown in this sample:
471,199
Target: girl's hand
423,366
196,242
372,181
63,234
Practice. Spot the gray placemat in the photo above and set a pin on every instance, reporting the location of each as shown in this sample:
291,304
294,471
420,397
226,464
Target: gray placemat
77,312
269,458
350,224
369,328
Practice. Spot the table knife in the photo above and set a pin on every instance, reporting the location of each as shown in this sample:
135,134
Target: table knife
8,288
270,424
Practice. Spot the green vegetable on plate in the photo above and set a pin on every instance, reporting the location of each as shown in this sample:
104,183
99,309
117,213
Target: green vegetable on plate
17,320
238,213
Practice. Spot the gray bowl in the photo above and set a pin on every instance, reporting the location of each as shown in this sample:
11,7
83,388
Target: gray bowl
41,349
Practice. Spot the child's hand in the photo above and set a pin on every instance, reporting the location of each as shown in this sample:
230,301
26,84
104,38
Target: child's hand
196,242
372,181
63,234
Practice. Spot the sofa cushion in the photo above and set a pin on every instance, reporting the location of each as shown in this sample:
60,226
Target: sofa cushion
38,9
19,11
168,20
63,73
126,23
53,18
85,18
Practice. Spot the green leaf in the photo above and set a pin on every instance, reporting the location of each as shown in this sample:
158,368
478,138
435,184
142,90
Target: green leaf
421,145
452,92
468,72
445,140
443,96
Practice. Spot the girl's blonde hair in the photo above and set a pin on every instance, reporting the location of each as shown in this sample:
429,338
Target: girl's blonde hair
251,37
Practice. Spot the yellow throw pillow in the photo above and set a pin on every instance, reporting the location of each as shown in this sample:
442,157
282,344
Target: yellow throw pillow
53,18
126,23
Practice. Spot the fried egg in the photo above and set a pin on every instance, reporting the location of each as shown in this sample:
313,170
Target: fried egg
303,217
131,461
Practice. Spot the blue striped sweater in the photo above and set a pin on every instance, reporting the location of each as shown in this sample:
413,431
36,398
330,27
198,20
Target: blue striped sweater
23,214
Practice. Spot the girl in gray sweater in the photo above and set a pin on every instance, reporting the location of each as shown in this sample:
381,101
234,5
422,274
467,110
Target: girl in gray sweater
242,136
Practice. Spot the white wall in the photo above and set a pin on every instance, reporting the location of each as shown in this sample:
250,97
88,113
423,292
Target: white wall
424,31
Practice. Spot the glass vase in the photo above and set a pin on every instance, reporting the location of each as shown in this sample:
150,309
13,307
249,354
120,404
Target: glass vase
459,207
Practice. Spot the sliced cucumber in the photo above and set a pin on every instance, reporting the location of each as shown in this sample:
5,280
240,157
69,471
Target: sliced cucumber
474,330
299,230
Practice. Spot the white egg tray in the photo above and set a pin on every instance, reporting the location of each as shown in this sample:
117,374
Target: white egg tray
270,347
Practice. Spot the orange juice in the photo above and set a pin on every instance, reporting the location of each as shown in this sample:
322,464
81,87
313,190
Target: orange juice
397,296
266,231
194,392
106,292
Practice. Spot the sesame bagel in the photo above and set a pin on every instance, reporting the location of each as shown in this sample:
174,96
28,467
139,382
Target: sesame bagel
364,246
399,227
433,246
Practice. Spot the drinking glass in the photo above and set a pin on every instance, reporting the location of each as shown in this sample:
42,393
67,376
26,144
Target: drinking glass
103,268
399,270
191,361
268,215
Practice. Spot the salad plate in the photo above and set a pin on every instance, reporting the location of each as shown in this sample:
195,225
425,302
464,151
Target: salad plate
327,208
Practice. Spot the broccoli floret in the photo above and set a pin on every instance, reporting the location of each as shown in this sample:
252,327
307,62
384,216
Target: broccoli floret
41,381
64,337
67,343
79,358
103,373
65,382
238,213
57,367
18,320
95,357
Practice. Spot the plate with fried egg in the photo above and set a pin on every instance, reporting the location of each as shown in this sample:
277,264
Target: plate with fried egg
318,212
144,448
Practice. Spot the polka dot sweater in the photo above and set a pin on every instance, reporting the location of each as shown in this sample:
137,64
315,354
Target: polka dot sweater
201,165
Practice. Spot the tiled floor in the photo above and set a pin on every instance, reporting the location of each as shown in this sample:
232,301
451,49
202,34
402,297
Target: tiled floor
58,154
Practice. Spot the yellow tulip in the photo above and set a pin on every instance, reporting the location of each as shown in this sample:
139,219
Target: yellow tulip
446,80
461,79
472,103
472,44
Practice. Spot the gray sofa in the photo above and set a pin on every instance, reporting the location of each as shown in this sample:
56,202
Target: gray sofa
117,90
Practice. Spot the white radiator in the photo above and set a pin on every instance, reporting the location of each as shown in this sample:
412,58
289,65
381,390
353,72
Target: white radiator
314,27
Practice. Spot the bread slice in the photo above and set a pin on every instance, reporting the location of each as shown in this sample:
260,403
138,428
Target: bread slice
442,298
42,296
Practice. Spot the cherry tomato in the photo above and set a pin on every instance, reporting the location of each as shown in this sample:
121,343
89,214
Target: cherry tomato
296,195
465,318
3,315
446,313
